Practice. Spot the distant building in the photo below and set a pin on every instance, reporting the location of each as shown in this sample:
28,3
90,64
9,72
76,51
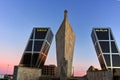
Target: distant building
37,48
2,76
106,48
6,77
65,40
49,70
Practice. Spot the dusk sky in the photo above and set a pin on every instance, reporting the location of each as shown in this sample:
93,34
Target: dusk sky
18,17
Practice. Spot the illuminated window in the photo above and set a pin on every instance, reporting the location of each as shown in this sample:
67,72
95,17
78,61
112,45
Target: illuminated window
40,34
102,35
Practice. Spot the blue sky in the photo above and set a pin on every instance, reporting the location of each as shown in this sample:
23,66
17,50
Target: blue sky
17,18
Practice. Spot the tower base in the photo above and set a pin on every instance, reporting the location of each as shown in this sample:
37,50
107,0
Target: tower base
26,73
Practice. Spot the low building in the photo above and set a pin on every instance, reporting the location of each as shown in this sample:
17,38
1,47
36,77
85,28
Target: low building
116,74
95,74
2,76
6,77
49,70
100,75
26,73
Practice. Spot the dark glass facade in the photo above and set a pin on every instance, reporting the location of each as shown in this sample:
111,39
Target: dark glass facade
37,48
116,60
107,59
101,32
106,48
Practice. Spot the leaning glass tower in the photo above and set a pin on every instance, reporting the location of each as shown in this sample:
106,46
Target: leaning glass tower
37,48
106,48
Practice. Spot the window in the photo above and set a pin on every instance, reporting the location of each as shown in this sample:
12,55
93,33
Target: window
29,46
93,37
111,36
105,46
97,49
34,58
107,59
102,34
27,59
38,45
40,33
31,37
50,37
113,47
45,48
116,60
101,61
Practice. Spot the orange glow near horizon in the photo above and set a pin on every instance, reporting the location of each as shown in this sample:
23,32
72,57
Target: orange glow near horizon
78,69
9,69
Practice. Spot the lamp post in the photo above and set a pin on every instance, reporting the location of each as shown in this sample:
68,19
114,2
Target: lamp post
7,69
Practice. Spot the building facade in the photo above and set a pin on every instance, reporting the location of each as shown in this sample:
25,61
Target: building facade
26,73
49,70
65,40
106,48
100,75
37,48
